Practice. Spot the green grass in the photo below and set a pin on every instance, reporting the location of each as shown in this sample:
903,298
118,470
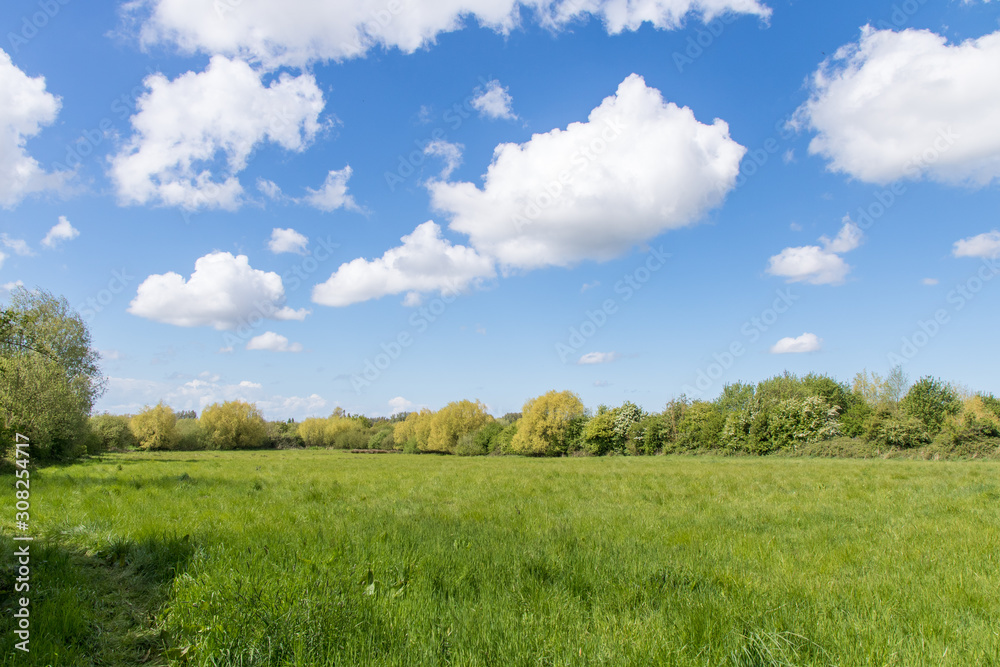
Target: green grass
327,558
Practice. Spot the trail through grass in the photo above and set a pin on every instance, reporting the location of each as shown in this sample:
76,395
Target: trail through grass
327,558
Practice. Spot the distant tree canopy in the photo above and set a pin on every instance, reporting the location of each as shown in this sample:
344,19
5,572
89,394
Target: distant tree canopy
233,425
49,378
550,423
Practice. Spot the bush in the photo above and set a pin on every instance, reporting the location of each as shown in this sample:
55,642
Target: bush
233,425
468,446
382,437
931,401
599,434
155,428
551,423
353,438
453,421
700,427
283,435
113,432
767,426
502,442
889,428
854,418
191,436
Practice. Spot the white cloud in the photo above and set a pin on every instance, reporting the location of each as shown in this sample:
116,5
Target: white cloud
3,258
111,355
273,342
287,240
61,231
451,153
25,108
638,167
19,246
333,193
425,262
984,245
269,189
818,265
908,105
223,292
494,102
807,342
598,358
399,404
930,282
848,239
298,32
8,287
129,395
182,127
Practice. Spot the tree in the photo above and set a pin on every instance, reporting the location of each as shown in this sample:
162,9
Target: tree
49,378
113,432
931,400
156,427
233,425
455,420
549,424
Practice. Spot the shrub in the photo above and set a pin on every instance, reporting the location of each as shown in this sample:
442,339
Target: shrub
353,438
467,445
767,426
931,401
283,435
155,427
502,443
382,438
312,431
891,428
550,423
854,418
416,428
453,421
625,417
233,425
191,436
113,432
700,427
599,434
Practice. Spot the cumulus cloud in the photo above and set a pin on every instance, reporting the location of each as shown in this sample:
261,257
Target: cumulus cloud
908,105
333,193
223,292
61,231
183,127
14,284
983,245
639,166
298,32
425,262
399,404
25,108
287,240
807,342
449,152
818,265
598,358
494,102
269,189
273,342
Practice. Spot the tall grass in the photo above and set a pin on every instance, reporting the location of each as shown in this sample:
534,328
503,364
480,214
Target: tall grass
327,558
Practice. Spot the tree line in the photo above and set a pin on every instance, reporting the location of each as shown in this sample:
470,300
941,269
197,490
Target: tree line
50,380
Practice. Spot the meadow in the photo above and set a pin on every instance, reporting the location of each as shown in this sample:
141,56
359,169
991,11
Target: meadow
318,557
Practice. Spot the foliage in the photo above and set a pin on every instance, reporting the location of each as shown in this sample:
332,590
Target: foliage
550,423
415,431
156,427
234,425
283,435
599,434
113,432
894,428
453,421
770,425
700,427
49,378
931,401
382,437
191,437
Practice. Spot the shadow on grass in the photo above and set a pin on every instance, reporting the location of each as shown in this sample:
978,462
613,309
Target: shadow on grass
92,607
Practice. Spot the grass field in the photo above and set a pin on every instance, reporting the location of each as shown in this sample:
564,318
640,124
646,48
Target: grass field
328,558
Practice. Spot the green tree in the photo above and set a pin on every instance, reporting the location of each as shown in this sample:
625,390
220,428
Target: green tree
233,425
455,420
49,378
931,401
156,427
113,432
549,424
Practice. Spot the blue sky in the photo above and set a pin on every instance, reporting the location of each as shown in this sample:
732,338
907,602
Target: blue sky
382,205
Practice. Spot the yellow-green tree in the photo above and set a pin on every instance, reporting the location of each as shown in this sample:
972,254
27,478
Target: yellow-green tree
234,425
415,429
313,432
455,420
155,427
547,425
